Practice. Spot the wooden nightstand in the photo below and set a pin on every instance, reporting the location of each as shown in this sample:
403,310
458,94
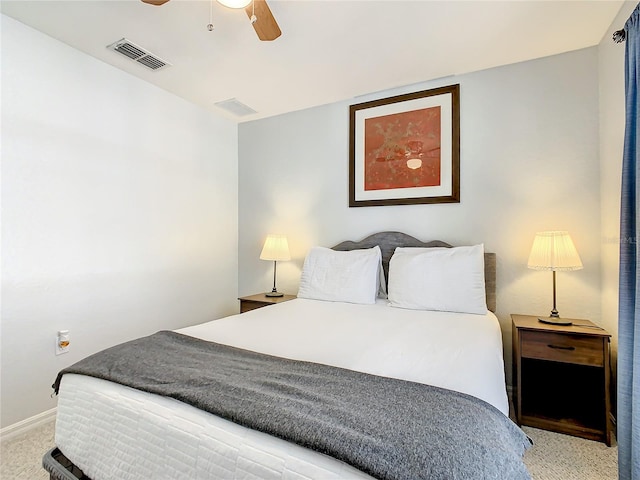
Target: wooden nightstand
561,377
261,300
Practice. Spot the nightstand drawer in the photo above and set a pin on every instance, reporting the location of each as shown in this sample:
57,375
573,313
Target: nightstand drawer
579,349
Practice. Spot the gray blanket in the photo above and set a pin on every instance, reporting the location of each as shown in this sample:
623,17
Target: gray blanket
388,428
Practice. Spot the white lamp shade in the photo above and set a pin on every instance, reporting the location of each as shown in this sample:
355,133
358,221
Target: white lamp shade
554,251
235,3
275,247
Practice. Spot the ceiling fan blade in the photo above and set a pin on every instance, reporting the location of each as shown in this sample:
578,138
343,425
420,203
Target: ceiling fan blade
157,3
266,26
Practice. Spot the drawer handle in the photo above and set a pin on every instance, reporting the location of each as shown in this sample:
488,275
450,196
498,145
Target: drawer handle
560,347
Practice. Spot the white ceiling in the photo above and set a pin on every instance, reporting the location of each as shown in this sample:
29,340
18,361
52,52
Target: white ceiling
330,50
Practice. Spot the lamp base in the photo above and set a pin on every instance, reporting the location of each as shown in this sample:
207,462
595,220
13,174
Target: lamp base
274,294
555,321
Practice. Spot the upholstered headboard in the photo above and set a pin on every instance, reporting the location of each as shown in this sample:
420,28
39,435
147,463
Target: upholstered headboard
388,241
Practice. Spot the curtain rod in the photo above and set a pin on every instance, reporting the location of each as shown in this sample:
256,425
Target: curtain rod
619,36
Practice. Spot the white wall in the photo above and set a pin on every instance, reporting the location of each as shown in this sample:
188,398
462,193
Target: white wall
529,162
612,120
119,212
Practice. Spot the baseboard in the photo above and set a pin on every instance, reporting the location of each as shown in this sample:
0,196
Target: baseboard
27,424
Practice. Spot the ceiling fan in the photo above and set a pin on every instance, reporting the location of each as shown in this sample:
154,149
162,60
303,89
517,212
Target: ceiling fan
258,11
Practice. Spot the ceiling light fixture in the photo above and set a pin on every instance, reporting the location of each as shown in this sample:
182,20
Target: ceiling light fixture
235,3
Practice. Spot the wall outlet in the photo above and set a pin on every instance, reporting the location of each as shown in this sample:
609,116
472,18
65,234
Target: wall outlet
62,342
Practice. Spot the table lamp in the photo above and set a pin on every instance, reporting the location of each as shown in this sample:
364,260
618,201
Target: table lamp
554,251
275,248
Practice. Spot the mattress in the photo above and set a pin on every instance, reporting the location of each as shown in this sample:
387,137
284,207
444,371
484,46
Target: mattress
112,431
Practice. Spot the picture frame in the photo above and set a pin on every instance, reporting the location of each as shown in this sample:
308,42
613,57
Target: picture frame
405,149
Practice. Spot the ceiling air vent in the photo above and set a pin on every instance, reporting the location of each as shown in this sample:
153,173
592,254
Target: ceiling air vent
236,107
138,54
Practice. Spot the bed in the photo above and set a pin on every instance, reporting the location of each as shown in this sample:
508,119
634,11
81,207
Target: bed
447,366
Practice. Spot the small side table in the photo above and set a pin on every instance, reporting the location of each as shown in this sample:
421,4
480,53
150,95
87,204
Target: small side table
260,300
561,377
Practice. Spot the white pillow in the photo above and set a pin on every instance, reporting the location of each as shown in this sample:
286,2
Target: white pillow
352,276
442,279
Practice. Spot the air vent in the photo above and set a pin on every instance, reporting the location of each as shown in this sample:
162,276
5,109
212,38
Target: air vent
138,54
236,107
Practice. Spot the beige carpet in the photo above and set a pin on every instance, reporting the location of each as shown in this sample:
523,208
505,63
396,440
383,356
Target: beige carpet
553,457
21,456
562,457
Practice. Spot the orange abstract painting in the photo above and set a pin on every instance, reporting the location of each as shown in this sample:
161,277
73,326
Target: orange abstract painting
402,150
405,149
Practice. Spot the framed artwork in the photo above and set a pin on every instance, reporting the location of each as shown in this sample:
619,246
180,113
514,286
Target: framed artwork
405,149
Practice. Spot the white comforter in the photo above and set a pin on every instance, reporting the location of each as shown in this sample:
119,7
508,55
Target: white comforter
166,439
457,351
